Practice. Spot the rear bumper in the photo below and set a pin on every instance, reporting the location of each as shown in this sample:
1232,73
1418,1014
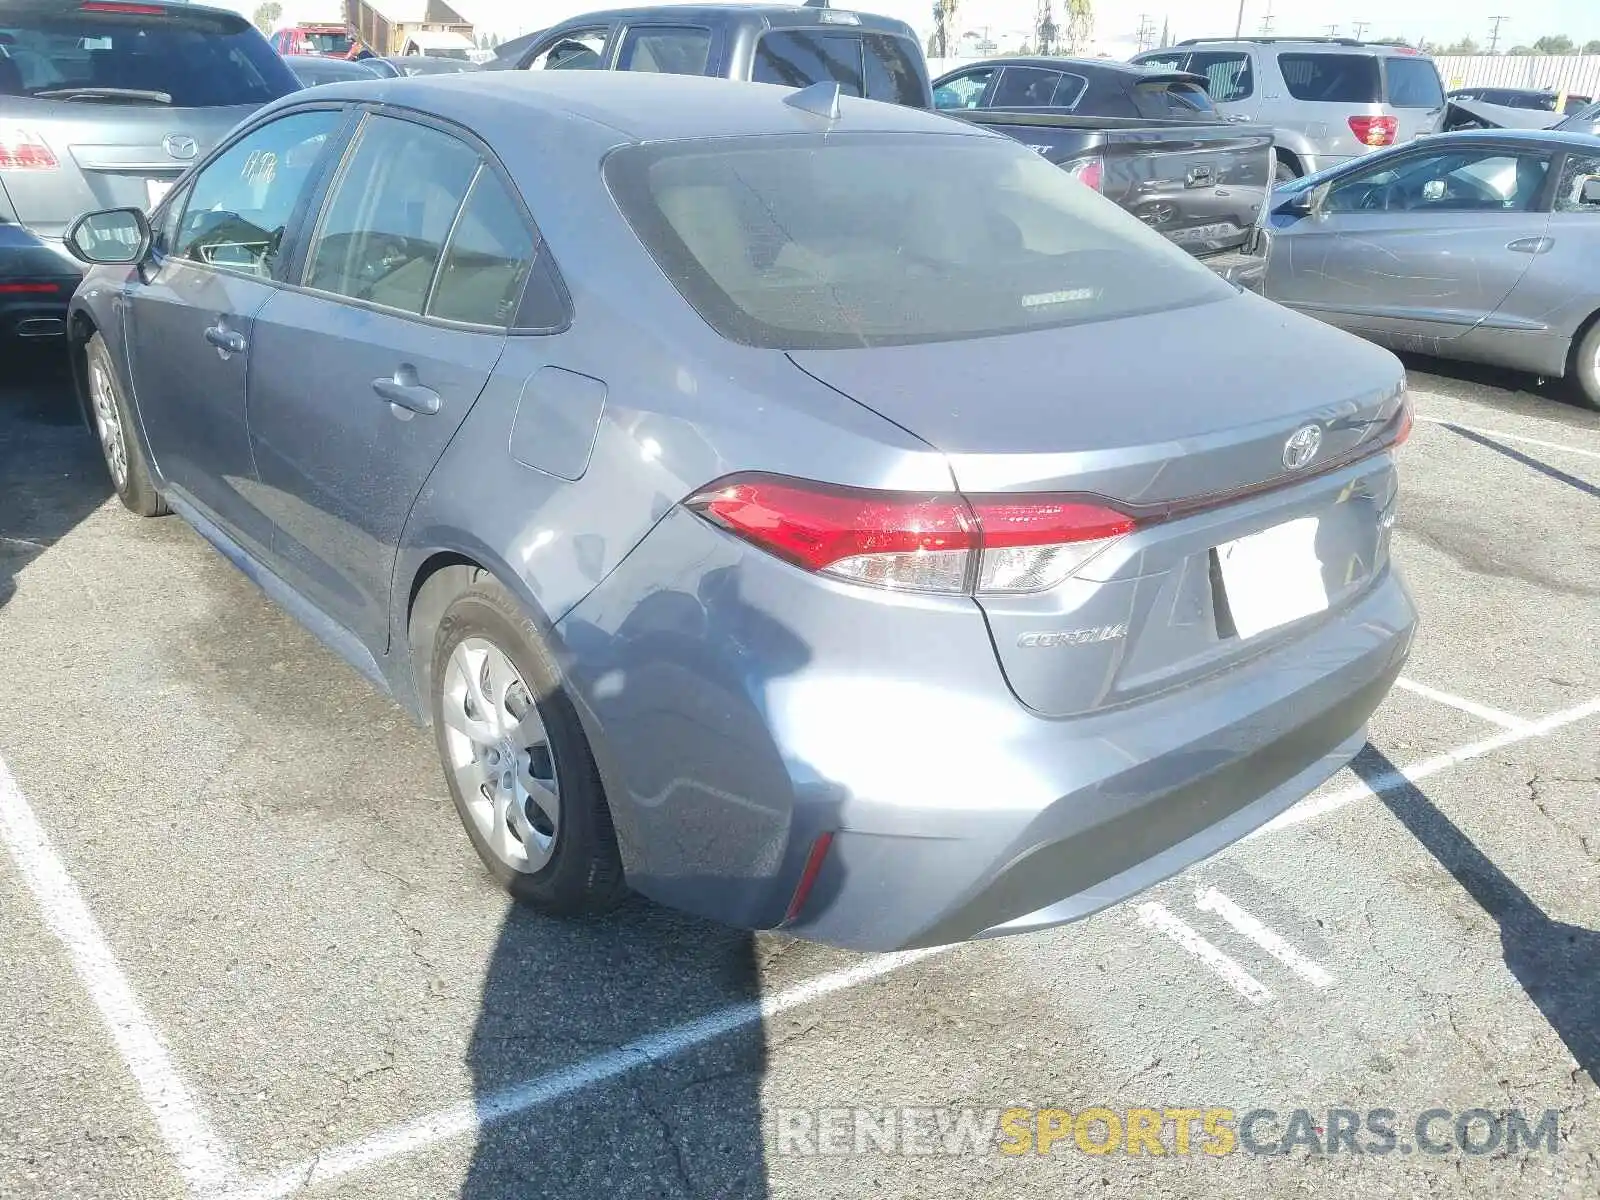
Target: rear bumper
37,280
738,709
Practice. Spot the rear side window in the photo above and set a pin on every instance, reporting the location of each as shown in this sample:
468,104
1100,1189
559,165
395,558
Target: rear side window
879,239
490,252
1413,83
684,51
188,59
391,209
876,66
1332,78
1034,87
1228,76
1173,102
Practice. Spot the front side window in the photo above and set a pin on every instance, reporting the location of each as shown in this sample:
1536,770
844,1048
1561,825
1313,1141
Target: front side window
1413,83
1332,78
1578,189
664,51
490,252
576,50
1228,76
240,204
1486,180
385,223
802,243
964,90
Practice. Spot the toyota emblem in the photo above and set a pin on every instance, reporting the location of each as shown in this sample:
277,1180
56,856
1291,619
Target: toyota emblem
1302,446
180,145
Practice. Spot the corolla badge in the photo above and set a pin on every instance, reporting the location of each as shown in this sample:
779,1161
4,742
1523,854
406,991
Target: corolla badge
180,145
1302,446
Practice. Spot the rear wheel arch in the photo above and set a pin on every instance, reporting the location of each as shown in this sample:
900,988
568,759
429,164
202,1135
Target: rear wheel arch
1289,159
80,328
1583,360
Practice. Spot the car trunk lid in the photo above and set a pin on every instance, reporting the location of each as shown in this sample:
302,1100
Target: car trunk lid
1194,442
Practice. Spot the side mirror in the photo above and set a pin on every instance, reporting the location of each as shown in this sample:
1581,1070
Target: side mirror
1590,193
111,237
1306,202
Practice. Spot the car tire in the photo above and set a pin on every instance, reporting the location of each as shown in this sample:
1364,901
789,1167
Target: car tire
111,421
1586,367
516,759
1283,171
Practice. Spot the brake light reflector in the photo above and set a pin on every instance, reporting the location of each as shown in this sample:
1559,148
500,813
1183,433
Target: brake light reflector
1375,131
24,151
29,289
943,543
1090,172
808,875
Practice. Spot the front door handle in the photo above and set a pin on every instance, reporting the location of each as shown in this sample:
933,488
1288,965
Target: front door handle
405,395
1533,245
229,341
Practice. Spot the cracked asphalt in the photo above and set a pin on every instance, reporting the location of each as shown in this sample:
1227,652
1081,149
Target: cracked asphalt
268,849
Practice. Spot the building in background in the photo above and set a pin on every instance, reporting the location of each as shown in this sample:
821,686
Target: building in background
390,28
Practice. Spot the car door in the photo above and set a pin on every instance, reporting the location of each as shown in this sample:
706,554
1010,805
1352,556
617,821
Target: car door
190,315
1561,287
1415,96
1415,248
364,372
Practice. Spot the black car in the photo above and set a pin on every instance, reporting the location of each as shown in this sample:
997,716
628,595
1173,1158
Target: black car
1089,87
1531,98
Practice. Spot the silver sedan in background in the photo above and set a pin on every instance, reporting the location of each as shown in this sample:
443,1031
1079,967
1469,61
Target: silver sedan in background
773,501
1479,245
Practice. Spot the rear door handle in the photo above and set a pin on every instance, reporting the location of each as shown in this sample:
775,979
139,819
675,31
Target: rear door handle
227,340
1533,245
405,394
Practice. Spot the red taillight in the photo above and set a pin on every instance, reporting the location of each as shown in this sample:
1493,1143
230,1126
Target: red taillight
1402,422
808,875
925,543
24,151
112,6
1375,131
29,289
1090,172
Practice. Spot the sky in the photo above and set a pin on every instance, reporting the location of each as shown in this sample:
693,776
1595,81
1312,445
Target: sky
1117,21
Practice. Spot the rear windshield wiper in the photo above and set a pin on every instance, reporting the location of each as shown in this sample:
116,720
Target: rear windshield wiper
135,95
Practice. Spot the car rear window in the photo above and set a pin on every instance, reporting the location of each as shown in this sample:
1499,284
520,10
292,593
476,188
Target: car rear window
1332,78
328,41
877,66
881,239
1413,83
188,59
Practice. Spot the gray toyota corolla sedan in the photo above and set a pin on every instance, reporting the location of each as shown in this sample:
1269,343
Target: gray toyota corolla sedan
808,512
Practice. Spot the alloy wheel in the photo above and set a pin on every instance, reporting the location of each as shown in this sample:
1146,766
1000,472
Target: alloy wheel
108,425
499,752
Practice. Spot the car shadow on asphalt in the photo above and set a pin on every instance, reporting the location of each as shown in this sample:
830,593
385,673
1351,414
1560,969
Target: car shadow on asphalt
51,473
674,1113
1557,964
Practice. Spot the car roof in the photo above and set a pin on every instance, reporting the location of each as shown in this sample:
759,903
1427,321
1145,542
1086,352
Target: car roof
1315,45
1533,137
178,7
1051,62
784,15
641,106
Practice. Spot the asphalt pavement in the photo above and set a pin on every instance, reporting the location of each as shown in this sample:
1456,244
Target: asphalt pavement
246,951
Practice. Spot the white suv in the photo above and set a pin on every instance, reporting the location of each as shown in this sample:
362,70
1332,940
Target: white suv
1326,99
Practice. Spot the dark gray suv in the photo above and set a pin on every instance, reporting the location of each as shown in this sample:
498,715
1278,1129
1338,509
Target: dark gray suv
104,103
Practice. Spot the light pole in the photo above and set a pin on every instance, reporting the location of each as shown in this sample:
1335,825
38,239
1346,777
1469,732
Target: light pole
1238,25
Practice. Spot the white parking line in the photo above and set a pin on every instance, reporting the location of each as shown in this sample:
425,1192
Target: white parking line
1155,916
1471,707
202,1159
1393,781
470,1116
1512,437
1212,901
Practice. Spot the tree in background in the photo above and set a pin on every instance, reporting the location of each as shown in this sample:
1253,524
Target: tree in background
1556,43
1078,26
1521,51
1592,47
944,16
267,16
1465,46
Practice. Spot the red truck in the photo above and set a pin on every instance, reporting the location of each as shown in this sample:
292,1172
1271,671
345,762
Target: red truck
321,41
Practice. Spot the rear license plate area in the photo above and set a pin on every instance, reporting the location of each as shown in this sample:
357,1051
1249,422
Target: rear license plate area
1268,579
